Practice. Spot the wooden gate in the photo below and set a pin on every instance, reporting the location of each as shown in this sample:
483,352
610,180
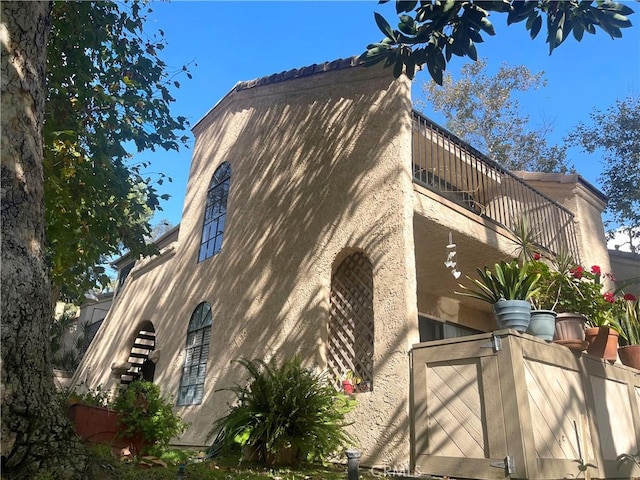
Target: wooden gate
509,405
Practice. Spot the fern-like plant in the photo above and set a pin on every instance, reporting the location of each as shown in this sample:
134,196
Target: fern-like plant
507,281
285,407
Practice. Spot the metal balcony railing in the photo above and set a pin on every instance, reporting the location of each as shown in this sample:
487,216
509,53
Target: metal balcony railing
449,166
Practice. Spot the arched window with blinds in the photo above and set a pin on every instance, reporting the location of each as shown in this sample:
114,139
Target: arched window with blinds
196,354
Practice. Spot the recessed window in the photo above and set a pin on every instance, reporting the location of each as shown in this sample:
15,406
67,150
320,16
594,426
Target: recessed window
195,356
215,212
431,329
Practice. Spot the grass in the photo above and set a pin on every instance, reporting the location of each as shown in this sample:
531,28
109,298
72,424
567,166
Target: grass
107,467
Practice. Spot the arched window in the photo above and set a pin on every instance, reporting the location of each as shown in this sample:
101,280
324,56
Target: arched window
215,212
195,356
350,348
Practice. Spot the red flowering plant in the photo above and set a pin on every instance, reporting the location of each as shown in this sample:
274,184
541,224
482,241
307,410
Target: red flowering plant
566,286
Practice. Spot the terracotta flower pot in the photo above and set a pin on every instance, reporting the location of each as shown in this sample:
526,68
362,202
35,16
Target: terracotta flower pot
603,342
630,355
96,424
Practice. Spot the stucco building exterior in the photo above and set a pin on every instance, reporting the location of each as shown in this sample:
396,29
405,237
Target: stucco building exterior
316,221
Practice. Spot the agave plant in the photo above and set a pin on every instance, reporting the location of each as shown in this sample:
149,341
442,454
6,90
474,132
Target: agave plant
507,281
629,325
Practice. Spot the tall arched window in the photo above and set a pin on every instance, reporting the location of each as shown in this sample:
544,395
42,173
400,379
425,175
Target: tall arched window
351,337
215,212
195,356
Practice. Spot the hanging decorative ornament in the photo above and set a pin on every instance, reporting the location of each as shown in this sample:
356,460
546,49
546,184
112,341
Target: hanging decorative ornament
450,262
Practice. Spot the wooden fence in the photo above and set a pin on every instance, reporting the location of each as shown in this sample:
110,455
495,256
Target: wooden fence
506,405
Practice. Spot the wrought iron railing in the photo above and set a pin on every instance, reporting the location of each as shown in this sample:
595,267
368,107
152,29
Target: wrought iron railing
449,166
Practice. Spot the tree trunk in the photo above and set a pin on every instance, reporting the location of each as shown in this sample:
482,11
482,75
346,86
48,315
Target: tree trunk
36,435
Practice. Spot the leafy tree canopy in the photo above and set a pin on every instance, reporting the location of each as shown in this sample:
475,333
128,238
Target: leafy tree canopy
484,111
615,134
431,32
108,96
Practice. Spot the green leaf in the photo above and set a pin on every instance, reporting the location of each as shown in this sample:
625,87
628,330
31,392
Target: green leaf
398,67
486,25
448,5
436,71
502,6
391,58
407,25
410,68
535,27
374,56
384,26
619,21
426,13
623,9
520,11
475,36
405,6
578,31
472,52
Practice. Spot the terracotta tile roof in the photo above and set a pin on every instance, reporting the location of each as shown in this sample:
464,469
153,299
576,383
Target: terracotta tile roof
341,63
299,73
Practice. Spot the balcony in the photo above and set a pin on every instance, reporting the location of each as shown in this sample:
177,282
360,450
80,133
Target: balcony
445,164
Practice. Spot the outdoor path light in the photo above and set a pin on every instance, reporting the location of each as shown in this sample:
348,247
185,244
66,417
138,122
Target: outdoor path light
353,460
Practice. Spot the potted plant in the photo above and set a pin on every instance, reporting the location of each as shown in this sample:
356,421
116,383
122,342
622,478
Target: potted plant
285,413
543,301
629,326
350,382
560,291
579,296
556,297
145,418
88,410
602,330
508,287
601,309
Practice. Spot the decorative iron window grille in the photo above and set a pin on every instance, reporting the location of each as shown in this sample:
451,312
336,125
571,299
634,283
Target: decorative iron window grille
215,212
351,323
196,354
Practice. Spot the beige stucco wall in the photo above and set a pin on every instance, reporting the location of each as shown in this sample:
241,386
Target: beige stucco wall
321,167
626,267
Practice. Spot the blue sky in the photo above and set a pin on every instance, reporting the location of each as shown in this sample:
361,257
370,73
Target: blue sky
235,41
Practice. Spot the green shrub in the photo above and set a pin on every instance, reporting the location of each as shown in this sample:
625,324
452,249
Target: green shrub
285,407
80,394
145,415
